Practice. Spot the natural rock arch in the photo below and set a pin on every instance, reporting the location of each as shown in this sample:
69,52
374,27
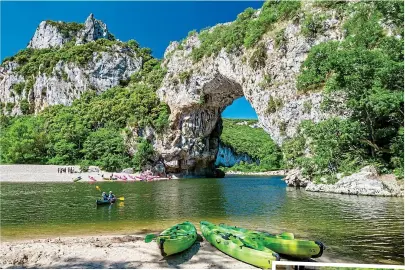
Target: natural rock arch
197,93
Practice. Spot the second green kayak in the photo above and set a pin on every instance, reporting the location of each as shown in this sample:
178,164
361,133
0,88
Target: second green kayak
247,251
281,244
176,238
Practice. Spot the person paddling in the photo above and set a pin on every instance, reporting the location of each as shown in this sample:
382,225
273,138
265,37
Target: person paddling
111,196
104,196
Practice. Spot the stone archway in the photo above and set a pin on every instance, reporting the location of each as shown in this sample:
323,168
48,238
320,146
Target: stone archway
197,93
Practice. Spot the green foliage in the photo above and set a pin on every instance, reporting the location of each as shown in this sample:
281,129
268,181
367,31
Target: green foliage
334,145
313,25
185,76
144,153
393,14
18,88
23,141
89,131
272,11
266,82
67,29
105,148
367,68
258,58
203,99
29,85
32,61
192,33
282,127
245,30
25,106
9,107
273,105
307,106
280,40
253,141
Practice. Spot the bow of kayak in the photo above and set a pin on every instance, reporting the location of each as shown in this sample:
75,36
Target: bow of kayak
282,243
250,252
176,238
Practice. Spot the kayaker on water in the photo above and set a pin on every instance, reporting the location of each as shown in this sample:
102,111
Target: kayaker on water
111,196
104,196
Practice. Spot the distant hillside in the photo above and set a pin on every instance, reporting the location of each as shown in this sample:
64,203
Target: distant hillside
247,137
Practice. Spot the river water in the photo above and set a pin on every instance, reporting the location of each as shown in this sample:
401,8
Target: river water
354,228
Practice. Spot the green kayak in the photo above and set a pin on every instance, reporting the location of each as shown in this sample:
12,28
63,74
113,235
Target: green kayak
177,238
284,235
245,250
278,243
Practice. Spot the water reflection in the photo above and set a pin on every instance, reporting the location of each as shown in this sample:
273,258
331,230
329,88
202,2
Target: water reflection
363,229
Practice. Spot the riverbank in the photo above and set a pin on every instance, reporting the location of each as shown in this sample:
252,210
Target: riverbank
123,251
49,173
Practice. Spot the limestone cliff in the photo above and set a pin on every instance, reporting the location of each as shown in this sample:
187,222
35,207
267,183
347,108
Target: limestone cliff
62,61
197,92
226,157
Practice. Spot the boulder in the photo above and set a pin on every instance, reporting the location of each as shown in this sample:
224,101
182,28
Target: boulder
365,182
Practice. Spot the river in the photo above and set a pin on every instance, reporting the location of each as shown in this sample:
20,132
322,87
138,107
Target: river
354,228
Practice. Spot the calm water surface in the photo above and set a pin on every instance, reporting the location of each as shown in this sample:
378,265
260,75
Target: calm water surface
354,228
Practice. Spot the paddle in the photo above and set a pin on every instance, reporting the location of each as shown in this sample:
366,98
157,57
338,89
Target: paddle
150,237
118,198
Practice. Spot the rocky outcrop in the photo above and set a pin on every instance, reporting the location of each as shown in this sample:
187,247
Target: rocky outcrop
227,157
294,178
68,80
197,93
365,182
93,30
50,34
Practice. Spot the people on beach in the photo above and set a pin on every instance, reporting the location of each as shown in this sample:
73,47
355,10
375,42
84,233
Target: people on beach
66,170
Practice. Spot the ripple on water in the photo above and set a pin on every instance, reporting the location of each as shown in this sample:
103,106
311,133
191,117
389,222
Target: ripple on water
356,228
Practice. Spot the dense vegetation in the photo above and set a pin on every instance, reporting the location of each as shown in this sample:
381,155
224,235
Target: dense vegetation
253,141
366,68
67,29
90,131
245,30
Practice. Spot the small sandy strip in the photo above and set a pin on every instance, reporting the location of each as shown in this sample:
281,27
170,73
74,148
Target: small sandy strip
49,173
125,251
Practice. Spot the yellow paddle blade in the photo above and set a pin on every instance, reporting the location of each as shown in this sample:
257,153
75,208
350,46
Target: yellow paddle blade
98,188
121,198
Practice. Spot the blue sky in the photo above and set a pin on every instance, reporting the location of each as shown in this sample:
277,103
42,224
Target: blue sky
152,24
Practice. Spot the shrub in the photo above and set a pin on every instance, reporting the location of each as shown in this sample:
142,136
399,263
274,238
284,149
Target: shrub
185,76
274,104
245,30
313,25
18,88
25,106
9,107
258,58
282,127
307,106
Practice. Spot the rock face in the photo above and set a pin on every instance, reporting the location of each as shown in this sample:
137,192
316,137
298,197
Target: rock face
68,80
50,34
227,157
197,93
365,182
294,178
93,30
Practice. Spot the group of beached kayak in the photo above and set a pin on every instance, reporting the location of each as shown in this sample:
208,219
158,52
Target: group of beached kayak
253,247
